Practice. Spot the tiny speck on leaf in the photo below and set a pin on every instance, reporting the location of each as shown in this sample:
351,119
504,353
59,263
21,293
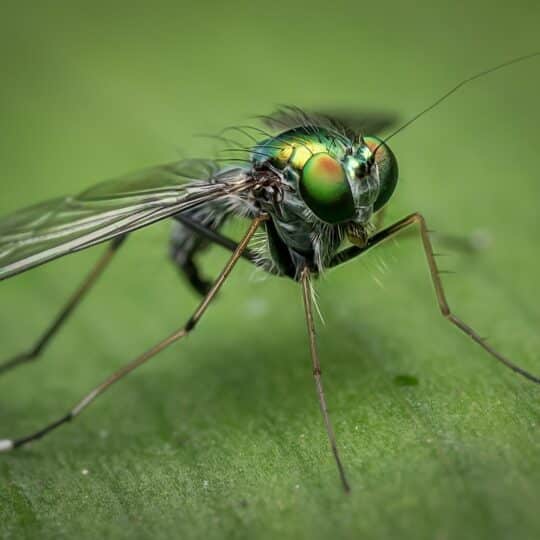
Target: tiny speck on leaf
84,472
405,380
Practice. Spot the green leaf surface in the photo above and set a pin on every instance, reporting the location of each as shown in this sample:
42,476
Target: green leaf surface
221,436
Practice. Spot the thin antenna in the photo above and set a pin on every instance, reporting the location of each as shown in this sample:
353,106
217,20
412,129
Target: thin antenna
455,89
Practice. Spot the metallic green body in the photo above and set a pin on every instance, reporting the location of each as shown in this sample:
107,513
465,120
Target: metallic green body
294,151
293,148
336,183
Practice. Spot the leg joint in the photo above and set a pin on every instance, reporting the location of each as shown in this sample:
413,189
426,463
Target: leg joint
417,217
190,325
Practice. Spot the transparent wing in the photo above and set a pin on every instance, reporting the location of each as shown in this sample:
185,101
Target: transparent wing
113,208
367,123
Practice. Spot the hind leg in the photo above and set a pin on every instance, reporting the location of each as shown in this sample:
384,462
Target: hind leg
190,237
183,258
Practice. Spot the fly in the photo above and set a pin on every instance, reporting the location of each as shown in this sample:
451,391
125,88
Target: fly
315,182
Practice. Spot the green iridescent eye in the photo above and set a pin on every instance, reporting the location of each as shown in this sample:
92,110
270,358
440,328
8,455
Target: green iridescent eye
388,170
325,189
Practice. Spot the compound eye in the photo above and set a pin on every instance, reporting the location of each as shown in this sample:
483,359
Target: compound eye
325,189
388,170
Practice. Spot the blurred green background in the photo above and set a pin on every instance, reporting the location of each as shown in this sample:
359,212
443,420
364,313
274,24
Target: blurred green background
221,437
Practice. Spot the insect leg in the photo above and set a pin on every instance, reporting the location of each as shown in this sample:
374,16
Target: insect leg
307,292
191,237
186,244
8,444
467,244
214,236
66,311
183,253
419,220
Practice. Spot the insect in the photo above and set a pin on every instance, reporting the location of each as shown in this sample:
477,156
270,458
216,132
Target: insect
314,183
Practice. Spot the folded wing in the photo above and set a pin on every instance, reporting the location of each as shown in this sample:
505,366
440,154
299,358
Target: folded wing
113,208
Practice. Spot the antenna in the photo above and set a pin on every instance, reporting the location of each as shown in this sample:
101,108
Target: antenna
455,89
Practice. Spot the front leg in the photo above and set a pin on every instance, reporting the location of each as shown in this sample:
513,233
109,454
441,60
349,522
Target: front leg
308,305
400,226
